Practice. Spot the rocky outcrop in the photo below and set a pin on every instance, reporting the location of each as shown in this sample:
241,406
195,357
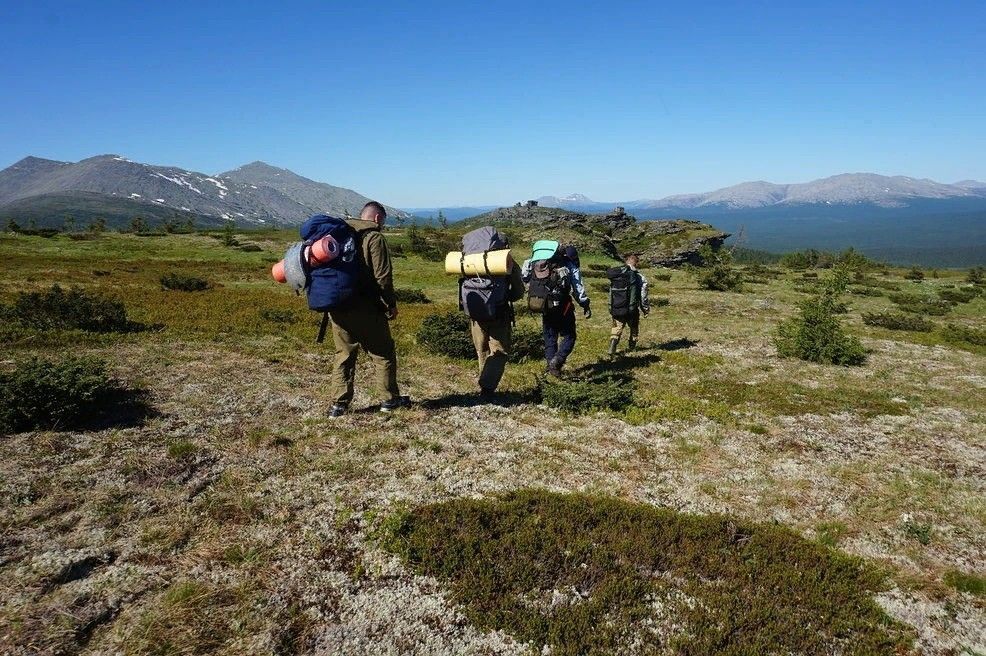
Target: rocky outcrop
669,243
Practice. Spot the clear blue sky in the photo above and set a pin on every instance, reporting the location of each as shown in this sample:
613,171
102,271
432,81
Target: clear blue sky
441,103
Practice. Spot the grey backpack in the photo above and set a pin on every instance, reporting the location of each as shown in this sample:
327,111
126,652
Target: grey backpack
483,298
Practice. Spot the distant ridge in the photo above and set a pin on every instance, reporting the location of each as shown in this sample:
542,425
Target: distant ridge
254,194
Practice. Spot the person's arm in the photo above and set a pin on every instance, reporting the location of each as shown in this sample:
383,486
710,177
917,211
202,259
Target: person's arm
644,299
525,271
515,290
581,295
381,269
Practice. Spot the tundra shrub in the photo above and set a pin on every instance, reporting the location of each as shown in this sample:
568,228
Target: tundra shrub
575,574
183,283
448,334
717,272
816,334
897,321
612,392
914,274
956,334
52,394
411,296
865,291
278,315
57,309
918,304
977,276
962,295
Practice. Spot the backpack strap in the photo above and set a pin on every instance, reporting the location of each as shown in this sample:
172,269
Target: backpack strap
485,263
462,263
322,328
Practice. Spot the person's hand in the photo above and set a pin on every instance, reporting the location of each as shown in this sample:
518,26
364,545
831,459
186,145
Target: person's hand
586,312
645,312
392,313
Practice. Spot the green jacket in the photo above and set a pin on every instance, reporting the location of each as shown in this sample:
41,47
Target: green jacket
376,270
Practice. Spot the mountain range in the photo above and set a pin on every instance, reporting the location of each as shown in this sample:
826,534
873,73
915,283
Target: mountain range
894,218
852,189
117,189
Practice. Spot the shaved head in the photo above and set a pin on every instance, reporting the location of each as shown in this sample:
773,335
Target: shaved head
374,211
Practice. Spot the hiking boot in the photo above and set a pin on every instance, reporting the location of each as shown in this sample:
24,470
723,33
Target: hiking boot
554,367
631,345
612,346
337,410
395,403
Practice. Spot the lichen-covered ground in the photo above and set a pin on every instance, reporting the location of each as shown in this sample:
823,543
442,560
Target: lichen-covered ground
240,520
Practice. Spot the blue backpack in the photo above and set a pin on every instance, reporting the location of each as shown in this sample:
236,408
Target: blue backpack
331,285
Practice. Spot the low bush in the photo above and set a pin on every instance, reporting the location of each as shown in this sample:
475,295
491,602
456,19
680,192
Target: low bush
976,275
660,301
721,278
586,574
52,394
591,273
181,282
717,272
663,277
604,392
448,334
597,267
278,315
960,295
411,296
431,244
58,309
957,334
249,247
815,334
918,304
897,321
866,291
914,274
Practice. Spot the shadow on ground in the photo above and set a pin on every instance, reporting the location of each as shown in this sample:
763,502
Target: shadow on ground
502,399
122,408
677,344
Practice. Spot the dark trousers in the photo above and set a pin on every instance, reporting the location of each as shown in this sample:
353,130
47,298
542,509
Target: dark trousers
555,327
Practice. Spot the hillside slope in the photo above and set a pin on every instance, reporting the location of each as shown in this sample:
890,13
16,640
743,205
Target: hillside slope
615,234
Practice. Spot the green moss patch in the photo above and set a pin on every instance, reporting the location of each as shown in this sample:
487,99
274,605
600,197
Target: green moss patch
595,575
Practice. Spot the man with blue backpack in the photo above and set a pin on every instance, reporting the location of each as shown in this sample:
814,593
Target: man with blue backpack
553,279
345,269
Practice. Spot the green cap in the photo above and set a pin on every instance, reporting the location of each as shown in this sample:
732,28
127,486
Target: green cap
544,249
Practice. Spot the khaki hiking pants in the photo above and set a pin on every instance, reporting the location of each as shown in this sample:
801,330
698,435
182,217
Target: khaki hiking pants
492,342
362,325
633,321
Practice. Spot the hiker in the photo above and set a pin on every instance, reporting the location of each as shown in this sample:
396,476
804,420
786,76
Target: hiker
551,285
362,322
486,298
627,300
